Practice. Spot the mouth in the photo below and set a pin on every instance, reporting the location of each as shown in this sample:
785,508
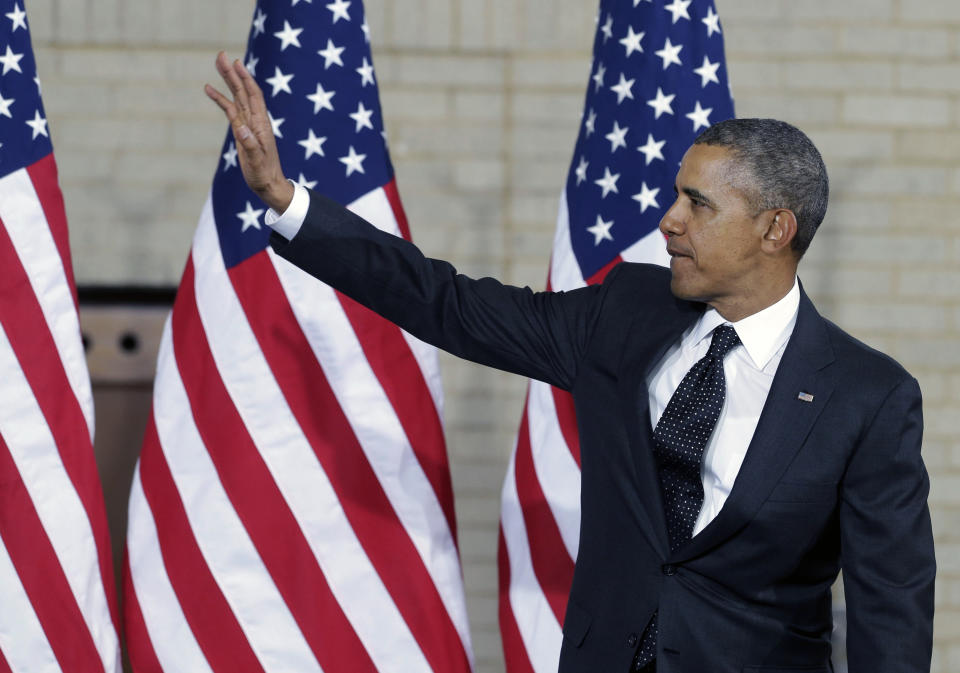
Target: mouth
676,253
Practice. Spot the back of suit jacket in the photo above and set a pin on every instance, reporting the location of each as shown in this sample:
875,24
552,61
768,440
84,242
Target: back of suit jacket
836,481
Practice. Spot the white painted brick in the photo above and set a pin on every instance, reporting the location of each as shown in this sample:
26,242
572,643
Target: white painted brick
751,74
105,21
853,145
527,210
534,177
505,24
547,108
536,141
891,180
889,317
923,284
112,134
90,99
929,77
904,111
837,75
72,21
114,65
935,145
829,9
41,21
840,281
776,39
800,110
937,12
554,72
473,20
421,24
479,105
402,103
442,70
930,352
479,176
945,490
460,139
849,249
896,42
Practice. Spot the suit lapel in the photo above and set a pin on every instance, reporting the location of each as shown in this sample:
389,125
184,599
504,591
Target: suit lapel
655,333
783,426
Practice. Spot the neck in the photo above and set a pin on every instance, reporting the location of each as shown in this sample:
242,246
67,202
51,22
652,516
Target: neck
744,305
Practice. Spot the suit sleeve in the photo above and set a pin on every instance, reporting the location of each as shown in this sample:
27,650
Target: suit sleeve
887,543
541,335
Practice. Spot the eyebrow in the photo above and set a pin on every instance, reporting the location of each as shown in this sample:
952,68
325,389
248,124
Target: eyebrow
697,195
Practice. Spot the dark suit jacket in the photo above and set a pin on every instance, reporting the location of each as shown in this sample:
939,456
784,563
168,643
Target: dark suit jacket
836,482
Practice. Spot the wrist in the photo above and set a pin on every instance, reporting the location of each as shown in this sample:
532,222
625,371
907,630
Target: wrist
277,195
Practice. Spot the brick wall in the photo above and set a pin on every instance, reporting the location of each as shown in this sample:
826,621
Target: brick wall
482,99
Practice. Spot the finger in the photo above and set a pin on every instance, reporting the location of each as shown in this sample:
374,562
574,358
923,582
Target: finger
232,80
257,109
222,101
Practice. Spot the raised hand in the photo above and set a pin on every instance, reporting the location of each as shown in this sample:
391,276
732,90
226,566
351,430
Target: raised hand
256,146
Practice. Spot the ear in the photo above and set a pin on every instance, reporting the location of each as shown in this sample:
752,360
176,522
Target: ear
780,228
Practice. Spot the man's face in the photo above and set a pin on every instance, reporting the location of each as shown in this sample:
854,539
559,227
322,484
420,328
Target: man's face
713,237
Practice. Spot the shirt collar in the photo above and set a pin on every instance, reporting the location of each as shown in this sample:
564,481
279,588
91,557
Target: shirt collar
763,333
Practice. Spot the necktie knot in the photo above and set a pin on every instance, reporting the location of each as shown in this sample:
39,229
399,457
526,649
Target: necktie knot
724,339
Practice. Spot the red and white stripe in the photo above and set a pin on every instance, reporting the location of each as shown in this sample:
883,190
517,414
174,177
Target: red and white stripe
540,504
57,595
292,509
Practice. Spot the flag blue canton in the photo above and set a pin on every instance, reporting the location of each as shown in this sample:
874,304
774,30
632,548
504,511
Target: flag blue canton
313,62
658,80
24,137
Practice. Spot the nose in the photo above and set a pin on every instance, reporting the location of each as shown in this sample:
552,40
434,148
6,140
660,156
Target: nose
671,224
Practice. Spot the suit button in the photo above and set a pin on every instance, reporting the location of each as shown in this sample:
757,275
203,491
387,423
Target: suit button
632,640
669,569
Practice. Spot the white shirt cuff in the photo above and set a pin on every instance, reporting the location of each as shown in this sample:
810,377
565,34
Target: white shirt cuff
289,222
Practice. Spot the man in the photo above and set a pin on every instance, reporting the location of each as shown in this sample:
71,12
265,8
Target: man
738,450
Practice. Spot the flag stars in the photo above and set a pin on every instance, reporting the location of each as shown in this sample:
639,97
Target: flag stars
632,41
307,184
607,28
679,9
617,136
661,104
250,217
623,88
708,72
608,183
275,124
259,22
670,54
712,22
653,149
361,117
5,104
331,54
251,65
366,73
279,82
601,231
321,99
11,61
339,9
598,77
39,125
288,36
590,123
581,170
19,18
312,144
700,117
230,157
353,162
366,30
647,198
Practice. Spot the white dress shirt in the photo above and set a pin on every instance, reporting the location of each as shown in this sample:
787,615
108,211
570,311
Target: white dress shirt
748,369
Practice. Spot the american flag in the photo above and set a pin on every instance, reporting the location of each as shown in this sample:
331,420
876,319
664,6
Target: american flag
658,79
292,509
57,592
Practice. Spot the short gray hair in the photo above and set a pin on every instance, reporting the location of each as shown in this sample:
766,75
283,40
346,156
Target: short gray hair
786,169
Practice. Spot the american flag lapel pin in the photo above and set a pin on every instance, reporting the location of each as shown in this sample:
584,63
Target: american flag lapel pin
805,397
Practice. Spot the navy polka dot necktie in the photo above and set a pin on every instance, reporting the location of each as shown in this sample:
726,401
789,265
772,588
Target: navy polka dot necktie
679,439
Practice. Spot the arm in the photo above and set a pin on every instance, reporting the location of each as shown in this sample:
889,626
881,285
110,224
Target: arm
887,542
537,334
541,335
